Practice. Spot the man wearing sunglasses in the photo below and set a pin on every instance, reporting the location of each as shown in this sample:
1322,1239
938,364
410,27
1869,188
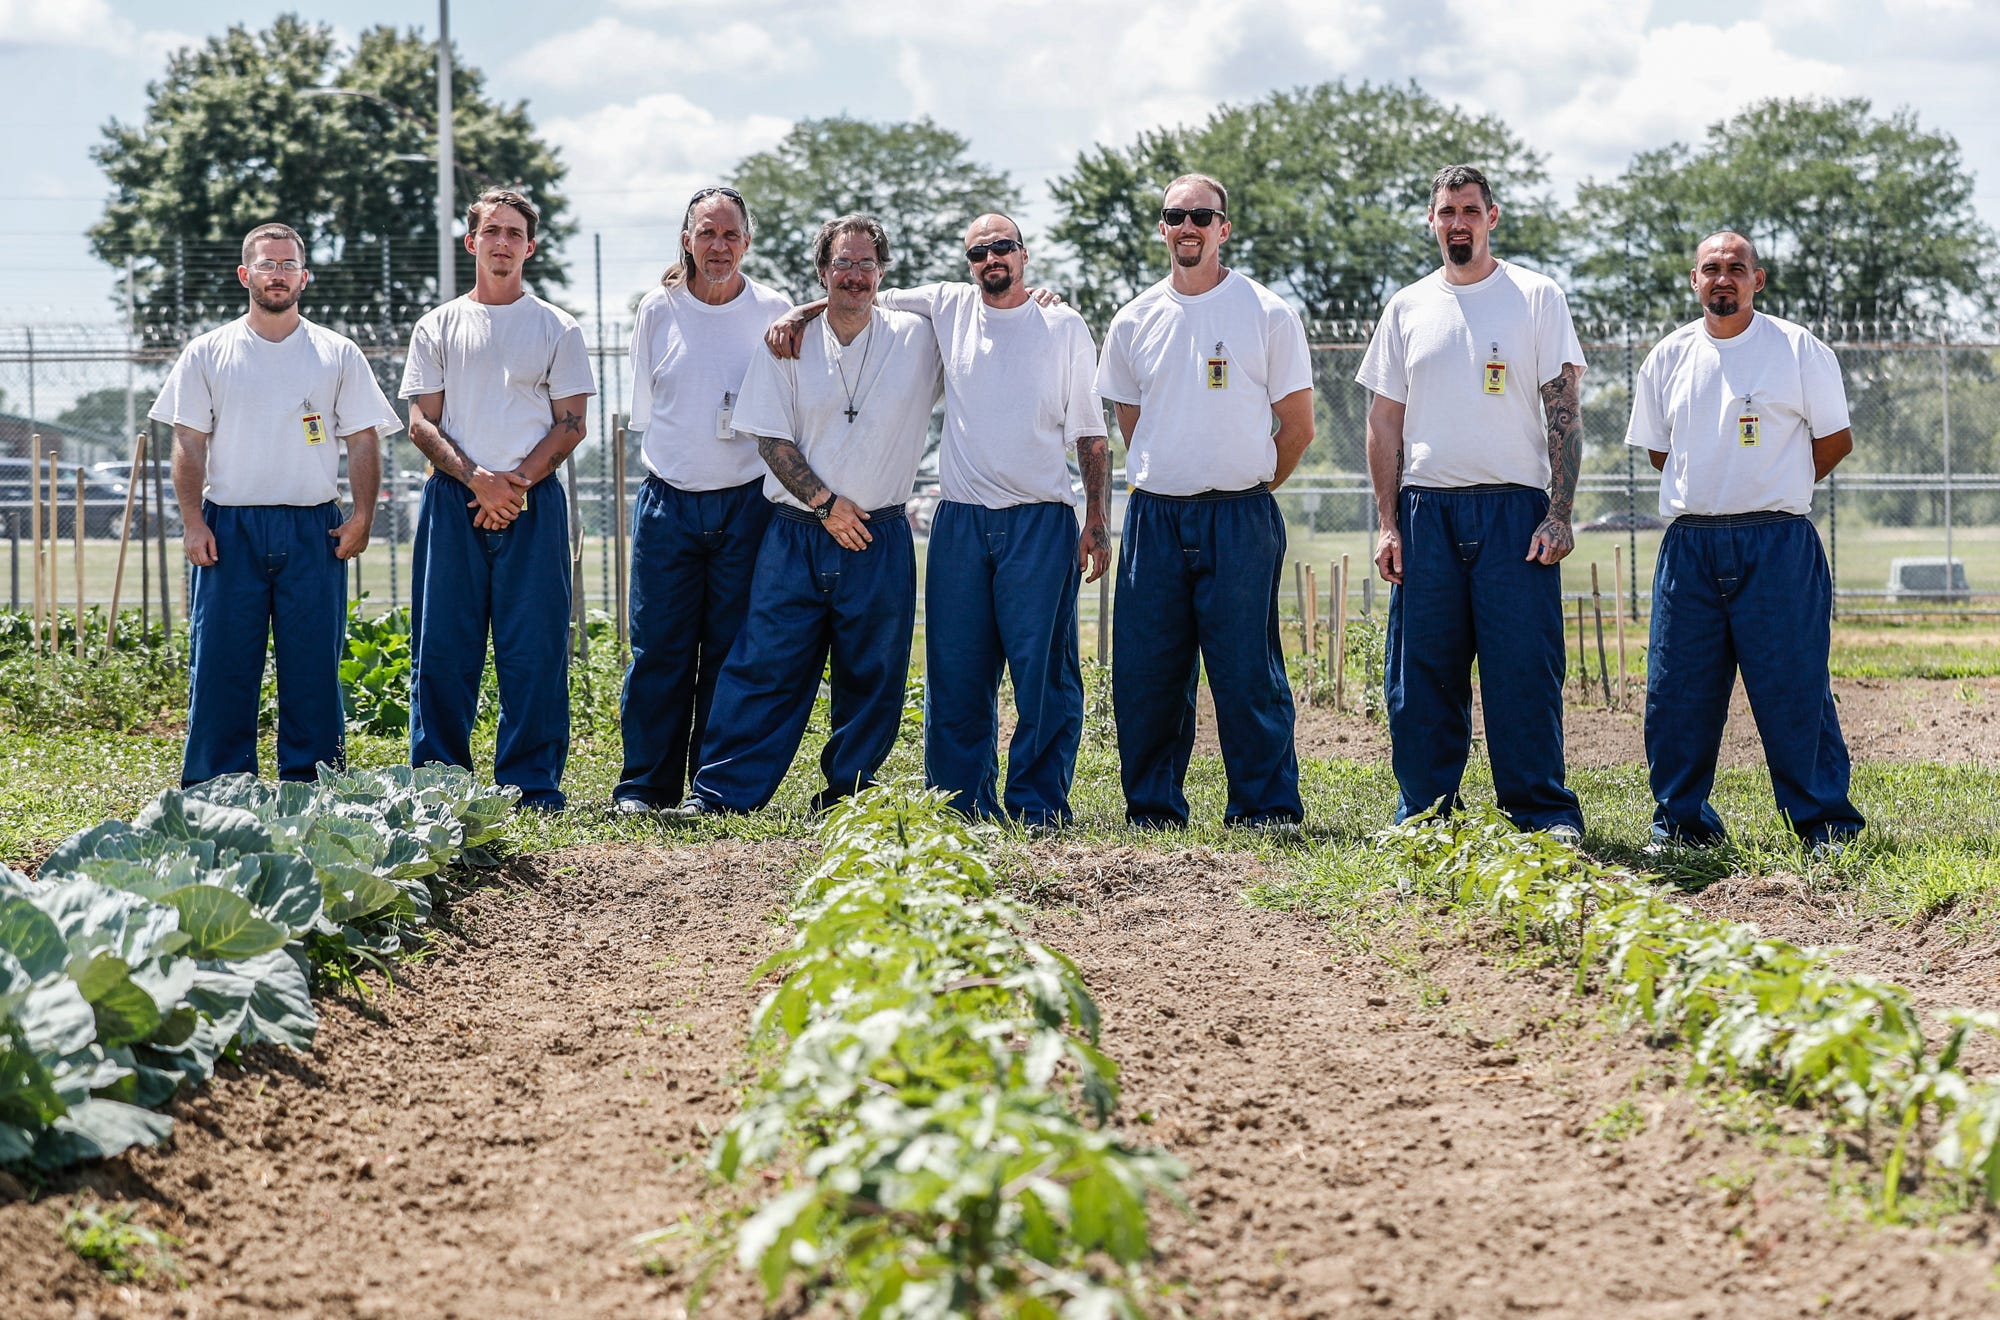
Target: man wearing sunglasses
1213,385
1474,440
1005,555
261,408
842,429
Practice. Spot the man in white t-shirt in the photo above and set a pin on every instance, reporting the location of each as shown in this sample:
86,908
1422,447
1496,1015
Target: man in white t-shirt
1201,366
1005,555
1474,442
260,409
499,387
1742,413
701,514
842,429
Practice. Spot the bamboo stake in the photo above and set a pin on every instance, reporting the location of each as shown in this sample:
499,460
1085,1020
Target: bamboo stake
124,540
1582,659
1597,607
620,581
1310,603
1339,605
35,518
54,563
79,563
1618,611
1299,597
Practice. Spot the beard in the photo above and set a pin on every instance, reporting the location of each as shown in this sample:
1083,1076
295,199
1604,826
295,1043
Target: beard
1724,304
1185,258
996,281
1459,254
277,302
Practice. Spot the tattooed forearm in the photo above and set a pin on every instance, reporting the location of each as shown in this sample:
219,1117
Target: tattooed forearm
789,466
1093,460
439,448
1565,422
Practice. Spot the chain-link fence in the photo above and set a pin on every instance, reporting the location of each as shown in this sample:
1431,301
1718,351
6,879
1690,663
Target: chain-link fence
1911,519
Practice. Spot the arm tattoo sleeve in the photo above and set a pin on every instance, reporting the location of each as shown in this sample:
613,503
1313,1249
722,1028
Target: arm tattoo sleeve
1565,419
439,448
1093,460
789,466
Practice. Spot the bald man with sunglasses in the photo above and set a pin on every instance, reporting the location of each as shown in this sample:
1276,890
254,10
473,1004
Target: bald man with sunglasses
1005,555
1213,383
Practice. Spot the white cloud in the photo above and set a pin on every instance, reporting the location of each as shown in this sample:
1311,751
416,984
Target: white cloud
638,162
610,50
87,24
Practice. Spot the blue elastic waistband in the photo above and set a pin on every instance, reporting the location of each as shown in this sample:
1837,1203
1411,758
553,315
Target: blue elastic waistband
1757,519
888,513
1202,496
1484,488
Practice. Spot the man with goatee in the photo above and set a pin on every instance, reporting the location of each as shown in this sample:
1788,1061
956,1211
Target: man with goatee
1474,441
261,408
1213,385
1005,555
1742,413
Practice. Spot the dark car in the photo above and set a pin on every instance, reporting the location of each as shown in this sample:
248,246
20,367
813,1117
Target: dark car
103,501
1624,521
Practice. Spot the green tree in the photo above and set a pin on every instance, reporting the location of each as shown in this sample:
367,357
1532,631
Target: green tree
1327,191
914,177
1854,216
235,135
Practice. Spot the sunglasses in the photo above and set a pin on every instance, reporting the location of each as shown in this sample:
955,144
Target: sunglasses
1203,216
999,247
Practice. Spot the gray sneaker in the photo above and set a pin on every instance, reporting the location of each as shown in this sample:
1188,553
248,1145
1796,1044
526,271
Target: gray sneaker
630,809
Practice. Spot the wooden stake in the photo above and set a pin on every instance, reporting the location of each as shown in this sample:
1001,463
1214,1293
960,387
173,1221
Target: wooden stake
1340,637
79,562
1582,659
618,534
35,519
1312,611
124,540
54,564
1597,608
1618,611
1299,597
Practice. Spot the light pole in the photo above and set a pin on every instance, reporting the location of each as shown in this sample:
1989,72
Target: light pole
447,256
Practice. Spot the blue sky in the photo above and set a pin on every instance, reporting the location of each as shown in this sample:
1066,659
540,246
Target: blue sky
650,98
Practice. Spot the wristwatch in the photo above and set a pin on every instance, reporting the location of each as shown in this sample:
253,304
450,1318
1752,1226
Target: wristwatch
824,511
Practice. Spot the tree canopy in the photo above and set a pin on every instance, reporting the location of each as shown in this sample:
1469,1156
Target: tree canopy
1852,214
236,134
1328,186
914,177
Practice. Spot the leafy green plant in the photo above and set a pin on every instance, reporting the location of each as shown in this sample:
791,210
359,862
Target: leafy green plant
934,1093
375,671
111,1239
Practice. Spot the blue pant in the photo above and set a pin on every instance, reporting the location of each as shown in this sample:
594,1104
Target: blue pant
1750,591
1201,575
692,556
810,598
1001,588
1469,591
275,575
463,580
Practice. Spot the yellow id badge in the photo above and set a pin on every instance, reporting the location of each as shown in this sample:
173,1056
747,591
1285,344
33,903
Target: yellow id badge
1495,378
315,428
1746,429
1218,373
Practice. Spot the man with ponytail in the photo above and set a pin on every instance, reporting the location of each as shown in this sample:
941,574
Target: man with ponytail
701,514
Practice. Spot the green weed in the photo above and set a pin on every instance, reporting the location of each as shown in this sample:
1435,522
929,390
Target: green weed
111,1240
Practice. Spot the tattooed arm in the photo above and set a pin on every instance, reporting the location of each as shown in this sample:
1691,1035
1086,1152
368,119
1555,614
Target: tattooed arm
495,495
1555,538
847,523
1093,551
569,423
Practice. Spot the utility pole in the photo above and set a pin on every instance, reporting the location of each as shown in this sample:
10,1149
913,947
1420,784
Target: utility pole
446,212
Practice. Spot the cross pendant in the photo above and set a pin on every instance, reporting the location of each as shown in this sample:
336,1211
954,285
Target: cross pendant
850,414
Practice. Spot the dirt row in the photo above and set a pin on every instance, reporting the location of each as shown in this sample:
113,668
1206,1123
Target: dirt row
1452,1139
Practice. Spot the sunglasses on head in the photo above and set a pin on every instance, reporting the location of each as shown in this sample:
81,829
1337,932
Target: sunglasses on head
1203,216
999,247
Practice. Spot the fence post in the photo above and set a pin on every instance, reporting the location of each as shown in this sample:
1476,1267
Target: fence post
603,430
1944,400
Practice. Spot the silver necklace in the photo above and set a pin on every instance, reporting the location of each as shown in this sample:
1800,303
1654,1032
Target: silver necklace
860,372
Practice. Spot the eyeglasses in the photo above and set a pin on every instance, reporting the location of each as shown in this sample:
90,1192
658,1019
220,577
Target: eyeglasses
270,267
867,265
1202,216
999,247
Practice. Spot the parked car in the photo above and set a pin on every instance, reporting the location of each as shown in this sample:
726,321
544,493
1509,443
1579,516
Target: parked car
117,473
1924,578
1624,521
103,501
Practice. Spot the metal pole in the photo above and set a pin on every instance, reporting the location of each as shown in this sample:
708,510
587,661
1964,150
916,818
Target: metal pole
35,520
131,349
145,535
390,482
603,429
1944,399
55,551
1631,465
166,598
13,564
621,578
78,539
580,635
124,543
447,255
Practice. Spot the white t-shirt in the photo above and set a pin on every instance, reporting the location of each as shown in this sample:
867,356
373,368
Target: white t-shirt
1736,417
1204,371
272,411
499,365
1432,352
1019,392
892,371
688,360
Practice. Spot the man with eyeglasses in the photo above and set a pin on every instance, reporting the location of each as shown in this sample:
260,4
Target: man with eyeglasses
499,387
261,408
842,429
699,518
1005,555
1213,384
1474,441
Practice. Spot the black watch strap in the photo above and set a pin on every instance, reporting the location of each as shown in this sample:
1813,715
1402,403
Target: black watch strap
825,509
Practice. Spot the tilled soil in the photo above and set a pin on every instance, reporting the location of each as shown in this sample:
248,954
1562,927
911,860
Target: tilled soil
1424,1142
